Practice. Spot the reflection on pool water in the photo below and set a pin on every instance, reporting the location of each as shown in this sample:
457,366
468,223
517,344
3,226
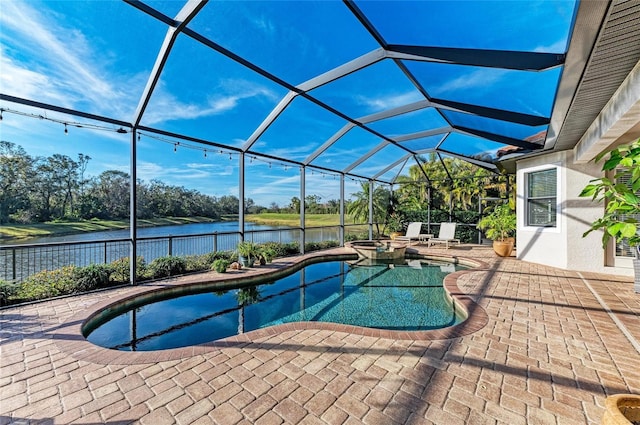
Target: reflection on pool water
407,296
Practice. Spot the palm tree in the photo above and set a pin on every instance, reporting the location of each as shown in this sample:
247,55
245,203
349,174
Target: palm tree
359,207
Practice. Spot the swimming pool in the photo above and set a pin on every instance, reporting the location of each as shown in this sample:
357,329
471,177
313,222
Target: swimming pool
407,296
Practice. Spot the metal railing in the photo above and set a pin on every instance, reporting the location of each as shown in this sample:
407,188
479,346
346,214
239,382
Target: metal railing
17,262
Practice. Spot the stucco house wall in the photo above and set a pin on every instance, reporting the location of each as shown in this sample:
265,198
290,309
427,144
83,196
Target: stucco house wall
563,246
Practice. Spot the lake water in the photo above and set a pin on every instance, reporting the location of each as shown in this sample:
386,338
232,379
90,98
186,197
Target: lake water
143,232
104,247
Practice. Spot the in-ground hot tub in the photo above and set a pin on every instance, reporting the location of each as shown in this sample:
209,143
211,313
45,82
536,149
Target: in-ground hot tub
378,250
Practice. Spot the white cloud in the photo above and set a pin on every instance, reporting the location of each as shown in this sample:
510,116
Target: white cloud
388,102
72,71
265,25
165,106
557,47
22,82
199,165
172,175
276,186
65,69
473,80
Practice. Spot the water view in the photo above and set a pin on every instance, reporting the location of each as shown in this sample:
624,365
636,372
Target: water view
48,253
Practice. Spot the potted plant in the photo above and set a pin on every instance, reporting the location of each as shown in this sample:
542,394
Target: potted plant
621,409
500,226
622,200
247,253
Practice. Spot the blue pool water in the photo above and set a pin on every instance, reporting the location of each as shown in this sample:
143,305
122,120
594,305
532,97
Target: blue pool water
407,296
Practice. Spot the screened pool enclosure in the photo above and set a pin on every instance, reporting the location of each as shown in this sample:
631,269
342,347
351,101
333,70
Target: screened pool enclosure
270,101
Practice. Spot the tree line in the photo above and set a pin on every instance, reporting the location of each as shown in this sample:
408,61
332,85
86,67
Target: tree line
40,189
448,185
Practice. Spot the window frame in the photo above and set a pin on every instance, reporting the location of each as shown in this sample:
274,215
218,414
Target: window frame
523,190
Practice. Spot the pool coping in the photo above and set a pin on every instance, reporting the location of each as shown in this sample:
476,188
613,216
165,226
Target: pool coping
70,340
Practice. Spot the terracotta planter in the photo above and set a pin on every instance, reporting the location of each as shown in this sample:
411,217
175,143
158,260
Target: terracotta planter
621,409
503,249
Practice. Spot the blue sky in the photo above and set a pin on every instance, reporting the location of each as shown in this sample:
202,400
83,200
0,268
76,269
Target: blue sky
96,56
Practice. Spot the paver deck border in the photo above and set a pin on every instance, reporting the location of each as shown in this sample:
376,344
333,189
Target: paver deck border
70,340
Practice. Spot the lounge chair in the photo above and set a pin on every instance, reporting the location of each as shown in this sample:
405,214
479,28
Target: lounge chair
446,235
412,234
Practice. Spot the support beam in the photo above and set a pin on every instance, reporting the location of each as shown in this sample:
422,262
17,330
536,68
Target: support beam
415,158
365,22
497,138
302,209
445,167
186,14
67,111
343,70
421,134
486,165
503,59
133,209
366,156
152,12
341,209
370,209
395,178
392,166
273,115
326,145
400,110
241,187
484,111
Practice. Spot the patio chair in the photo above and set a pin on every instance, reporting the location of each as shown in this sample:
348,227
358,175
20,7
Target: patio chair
446,235
412,234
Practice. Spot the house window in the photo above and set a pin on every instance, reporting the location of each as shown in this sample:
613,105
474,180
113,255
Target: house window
541,198
622,246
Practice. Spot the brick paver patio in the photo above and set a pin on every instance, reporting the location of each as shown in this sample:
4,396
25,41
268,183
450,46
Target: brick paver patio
546,346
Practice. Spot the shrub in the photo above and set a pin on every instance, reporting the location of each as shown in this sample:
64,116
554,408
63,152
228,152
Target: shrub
356,236
267,254
167,266
196,263
48,284
7,291
213,256
92,277
220,265
316,246
282,249
120,269
248,250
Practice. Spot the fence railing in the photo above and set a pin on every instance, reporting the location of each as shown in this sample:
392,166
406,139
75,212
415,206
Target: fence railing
17,262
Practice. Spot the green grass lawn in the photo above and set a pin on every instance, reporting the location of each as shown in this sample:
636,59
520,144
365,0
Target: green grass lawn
293,220
19,231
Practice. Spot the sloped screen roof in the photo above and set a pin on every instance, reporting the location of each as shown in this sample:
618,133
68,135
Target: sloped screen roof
355,87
